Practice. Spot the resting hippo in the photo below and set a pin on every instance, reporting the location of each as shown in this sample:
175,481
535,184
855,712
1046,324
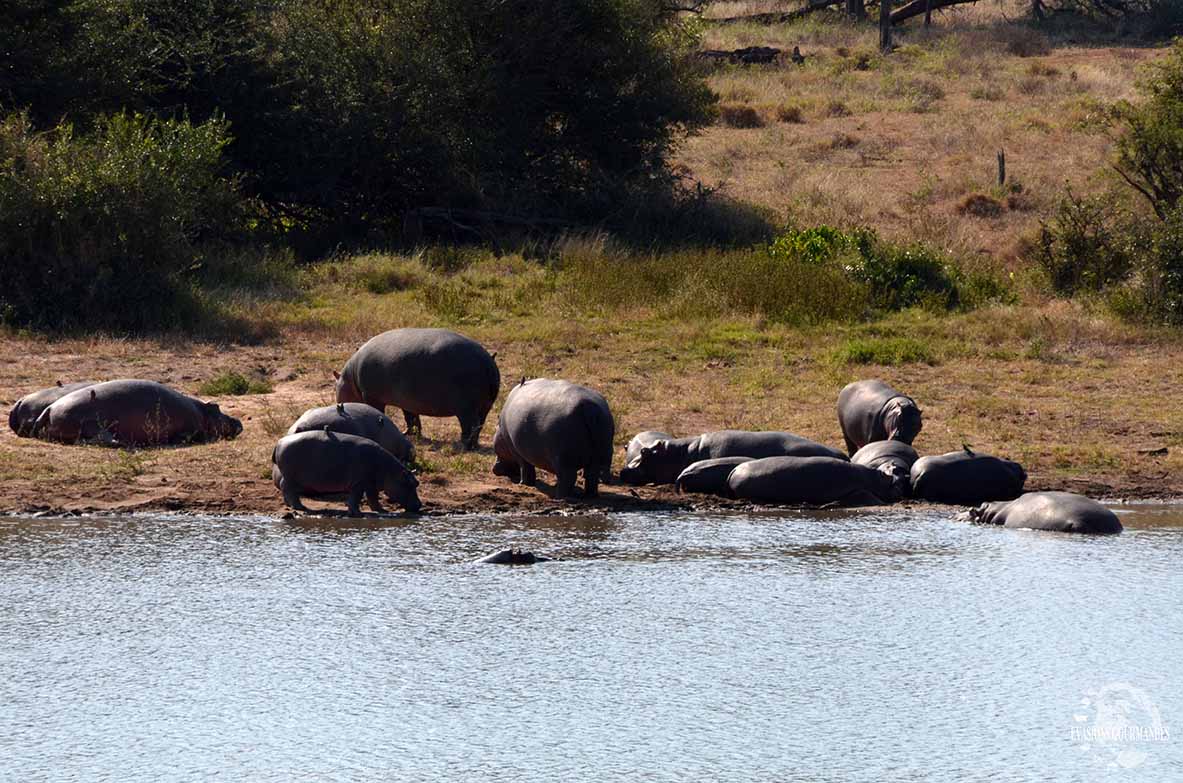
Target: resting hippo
425,372
871,410
640,441
560,427
133,413
329,464
513,557
662,461
355,418
813,480
966,479
893,457
1062,512
709,476
24,414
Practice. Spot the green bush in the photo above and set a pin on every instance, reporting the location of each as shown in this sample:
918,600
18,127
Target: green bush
1088,245
233,384
1150,152
102,230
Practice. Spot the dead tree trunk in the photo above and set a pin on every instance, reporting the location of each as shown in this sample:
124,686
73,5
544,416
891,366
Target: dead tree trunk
856,9
885,26
918,7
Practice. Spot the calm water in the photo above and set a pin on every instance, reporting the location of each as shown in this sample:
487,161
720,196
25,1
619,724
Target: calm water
800,647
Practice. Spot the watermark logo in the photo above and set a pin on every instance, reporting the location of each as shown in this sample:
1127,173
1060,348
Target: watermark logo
1117,725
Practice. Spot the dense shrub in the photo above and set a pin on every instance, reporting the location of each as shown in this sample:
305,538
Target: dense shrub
1088,245
101,229
1150,152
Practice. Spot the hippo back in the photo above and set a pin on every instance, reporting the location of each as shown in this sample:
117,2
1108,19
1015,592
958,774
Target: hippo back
28,409
967,479
809,480
757,445
355,418
554,424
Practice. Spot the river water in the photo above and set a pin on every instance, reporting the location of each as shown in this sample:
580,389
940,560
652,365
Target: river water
810,646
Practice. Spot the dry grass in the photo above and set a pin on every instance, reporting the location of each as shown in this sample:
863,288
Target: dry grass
930,118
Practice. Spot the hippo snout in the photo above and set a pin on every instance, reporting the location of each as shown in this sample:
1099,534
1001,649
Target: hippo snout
412,503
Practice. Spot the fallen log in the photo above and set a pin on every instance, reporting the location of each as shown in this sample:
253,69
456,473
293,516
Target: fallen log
778,17
750,55
918,7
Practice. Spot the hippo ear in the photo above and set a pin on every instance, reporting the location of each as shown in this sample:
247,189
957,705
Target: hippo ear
340,407
336,375
212,407
59,383
493,356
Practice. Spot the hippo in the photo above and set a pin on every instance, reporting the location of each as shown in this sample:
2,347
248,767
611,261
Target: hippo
327,464
24,414
966,479
871,410
1063,512
506,464
560,427
425,372
133,413
355,418
815,481
662,461
513,557
640,441
893,457
709,476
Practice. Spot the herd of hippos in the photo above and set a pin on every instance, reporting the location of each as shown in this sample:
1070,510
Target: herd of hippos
353,450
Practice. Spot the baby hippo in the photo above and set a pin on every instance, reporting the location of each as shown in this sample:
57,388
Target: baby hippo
328,464
814,481
1063,512
967,479
558,426
355,418
24,414
871,410
133,413
893,457
709,476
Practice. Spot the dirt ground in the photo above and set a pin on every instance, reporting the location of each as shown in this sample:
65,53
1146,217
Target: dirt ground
233,477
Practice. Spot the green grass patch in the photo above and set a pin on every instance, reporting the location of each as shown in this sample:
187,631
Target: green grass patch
233,384
888,351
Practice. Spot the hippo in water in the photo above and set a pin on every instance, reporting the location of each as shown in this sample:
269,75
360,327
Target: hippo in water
355,418
1063,512
327,465
513,557
560,427
709,476
893,457
816,481
133,413
24,414
966,479
425,372
662,461
871,410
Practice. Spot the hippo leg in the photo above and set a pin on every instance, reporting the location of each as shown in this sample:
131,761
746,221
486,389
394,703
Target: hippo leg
861,498
291,496
414,423
373,499
354,500
591,481
565,485
470,430
529,474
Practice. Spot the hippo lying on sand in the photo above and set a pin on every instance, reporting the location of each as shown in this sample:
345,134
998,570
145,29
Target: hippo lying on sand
871,410
966,479
133,413
513,557
560,427
815,481
640,441
327,465
425,372
709,476
24,414
662,461
1063,512
893,457
355,418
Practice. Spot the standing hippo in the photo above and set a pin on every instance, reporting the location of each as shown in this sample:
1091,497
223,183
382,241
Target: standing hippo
327,464
425,372
893,457
709,476
355,418
815,481
662,461
24,414
133,413
966,479
871,410
1063,512
560,427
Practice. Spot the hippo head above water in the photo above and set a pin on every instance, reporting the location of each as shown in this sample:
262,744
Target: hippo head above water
902,419
217,424
401,487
